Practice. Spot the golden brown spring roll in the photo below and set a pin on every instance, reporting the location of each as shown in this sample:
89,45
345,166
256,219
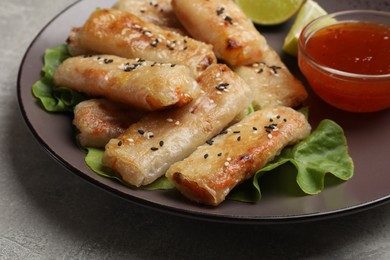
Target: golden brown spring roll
146,150
158,12
222,24
123,34
99,120
214,169
134,82
272,83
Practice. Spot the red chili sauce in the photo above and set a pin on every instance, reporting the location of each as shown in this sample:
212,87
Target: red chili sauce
354,47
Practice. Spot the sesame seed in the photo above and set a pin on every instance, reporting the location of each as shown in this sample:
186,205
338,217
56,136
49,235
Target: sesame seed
177,123
170,120
284,119
209,142
154,148
254,128
236,132
220,154
131,140
239,138
269,136
220,10
223,132
161,143
228,19
228,159
226,163
141,132
206,155
119,143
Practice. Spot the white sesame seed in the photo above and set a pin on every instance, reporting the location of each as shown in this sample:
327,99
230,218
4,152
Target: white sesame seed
177,123
131,140
170,120
228,159
226,163
269,136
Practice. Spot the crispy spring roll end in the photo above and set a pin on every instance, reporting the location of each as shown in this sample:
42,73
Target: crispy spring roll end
192,190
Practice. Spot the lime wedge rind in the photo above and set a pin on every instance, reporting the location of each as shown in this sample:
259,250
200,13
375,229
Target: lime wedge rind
309,11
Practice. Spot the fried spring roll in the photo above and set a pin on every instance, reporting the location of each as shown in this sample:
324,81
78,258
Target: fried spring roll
99,120
214,169
222,24
73,43
158,12
123,34
147,148
135,82
272,83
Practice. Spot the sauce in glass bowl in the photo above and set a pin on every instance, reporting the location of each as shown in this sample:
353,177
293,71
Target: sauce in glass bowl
347,62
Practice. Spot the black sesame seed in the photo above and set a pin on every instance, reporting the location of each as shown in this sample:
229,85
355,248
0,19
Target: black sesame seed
87,55
106,61
239,138
228,19
254,128
236,132
154,148
277,116
222,86
154,44
275,69
119,143
271,120
141,132
209,142
161,143
206,155
220,10
220,154
173,65
260,70
224,132
284,119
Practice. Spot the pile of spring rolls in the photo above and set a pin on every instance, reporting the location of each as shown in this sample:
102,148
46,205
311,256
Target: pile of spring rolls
170,83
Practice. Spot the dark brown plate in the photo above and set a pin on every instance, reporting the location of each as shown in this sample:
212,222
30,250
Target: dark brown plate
368,137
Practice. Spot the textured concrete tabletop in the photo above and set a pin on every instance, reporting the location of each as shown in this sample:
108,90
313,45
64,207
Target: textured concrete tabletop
48,213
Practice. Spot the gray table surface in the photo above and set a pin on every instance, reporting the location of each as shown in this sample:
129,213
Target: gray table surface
48,213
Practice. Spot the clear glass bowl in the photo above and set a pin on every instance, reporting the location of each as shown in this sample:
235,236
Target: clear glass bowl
345,90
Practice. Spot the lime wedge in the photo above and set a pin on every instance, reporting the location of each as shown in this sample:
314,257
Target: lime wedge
269,12
308,12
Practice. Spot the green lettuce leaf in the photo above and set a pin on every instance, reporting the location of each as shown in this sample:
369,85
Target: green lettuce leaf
52,98
324,151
